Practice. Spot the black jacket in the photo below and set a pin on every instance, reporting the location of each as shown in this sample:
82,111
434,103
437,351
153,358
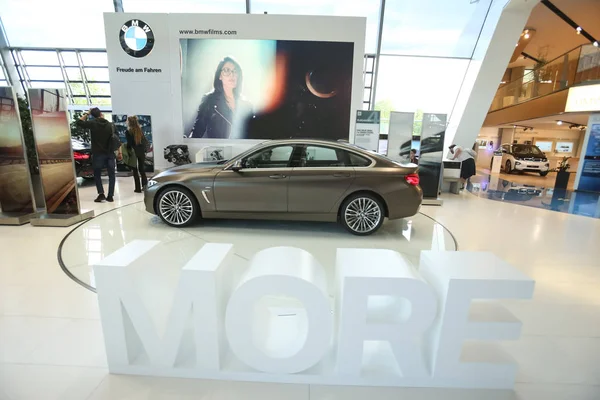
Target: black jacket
101,132
140,149
215,118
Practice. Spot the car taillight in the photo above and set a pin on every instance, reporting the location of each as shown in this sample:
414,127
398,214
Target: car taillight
80,156
412,179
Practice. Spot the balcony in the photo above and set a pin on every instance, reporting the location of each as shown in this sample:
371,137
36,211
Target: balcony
578,66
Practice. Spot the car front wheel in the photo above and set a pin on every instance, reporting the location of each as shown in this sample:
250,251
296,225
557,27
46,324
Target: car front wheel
362,214
508,167
544,173
177,207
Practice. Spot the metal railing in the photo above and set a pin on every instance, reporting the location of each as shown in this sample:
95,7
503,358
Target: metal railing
579,65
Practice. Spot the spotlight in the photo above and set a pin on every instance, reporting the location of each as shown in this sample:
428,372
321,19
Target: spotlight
559,123
595,43
578,30
526,36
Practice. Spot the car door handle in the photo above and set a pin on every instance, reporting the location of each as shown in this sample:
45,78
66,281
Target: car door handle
277,176
340,175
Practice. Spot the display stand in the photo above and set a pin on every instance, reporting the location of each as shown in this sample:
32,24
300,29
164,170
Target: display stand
61,220
432,202
15,218
58,180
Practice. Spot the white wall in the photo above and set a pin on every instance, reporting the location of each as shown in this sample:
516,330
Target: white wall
159,94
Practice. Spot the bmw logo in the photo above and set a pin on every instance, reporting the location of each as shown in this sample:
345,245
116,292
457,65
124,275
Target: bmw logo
137,38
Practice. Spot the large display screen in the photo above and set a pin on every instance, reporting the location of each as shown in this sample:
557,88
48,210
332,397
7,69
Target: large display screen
266,89
53,143
15,182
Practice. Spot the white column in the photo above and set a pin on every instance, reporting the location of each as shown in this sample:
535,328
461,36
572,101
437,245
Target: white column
502,28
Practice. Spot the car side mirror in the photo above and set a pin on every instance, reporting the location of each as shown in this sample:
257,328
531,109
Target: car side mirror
237,166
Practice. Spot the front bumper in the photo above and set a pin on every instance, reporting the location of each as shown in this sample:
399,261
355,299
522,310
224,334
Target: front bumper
532,166
149,196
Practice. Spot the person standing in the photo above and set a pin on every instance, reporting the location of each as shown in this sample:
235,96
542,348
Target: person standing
102,157
137,142
467,162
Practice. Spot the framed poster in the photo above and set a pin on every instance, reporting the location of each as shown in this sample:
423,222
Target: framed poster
50,121
16,193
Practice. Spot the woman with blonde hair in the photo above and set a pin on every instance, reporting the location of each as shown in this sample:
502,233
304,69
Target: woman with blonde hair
137,143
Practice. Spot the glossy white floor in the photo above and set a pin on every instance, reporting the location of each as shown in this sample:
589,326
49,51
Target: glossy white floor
51,342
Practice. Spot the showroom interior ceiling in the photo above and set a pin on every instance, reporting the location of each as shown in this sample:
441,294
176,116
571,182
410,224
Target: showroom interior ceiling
553,36
549,122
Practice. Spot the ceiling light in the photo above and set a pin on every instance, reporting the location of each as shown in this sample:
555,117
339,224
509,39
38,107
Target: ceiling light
578,30
596,43
526,36
558,122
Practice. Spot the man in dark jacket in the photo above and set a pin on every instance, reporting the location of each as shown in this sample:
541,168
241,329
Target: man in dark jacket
102,156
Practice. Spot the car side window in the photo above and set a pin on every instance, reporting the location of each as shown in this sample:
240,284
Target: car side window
271,157
321,157
354,160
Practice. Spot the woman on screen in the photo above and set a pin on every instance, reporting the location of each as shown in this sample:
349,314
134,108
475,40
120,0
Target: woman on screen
223,108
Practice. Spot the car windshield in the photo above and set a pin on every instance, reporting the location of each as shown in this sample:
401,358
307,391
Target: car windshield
527,149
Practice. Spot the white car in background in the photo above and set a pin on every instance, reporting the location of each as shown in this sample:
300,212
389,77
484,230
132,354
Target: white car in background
524,158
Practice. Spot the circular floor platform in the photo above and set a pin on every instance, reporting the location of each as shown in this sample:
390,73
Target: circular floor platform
95,239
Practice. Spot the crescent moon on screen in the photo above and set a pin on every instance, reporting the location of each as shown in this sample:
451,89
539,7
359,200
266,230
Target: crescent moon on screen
314,91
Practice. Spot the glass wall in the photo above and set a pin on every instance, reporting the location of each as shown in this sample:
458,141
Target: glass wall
186,6
51,23
84,73
347,8
441,28
412,84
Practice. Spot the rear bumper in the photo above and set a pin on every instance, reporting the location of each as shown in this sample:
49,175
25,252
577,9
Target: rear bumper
406,203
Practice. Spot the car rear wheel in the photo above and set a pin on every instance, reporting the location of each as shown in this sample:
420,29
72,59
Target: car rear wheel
177,207
508,167
362,214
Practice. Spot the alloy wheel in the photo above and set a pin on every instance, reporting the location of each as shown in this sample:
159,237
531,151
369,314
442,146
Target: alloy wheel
508,167
176,207
362,215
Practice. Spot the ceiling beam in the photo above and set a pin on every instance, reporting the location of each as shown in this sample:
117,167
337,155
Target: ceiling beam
569,21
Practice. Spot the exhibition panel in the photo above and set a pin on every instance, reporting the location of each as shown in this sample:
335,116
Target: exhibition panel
367,129
53,144
400,135
236,78
16,192
433,132
57,168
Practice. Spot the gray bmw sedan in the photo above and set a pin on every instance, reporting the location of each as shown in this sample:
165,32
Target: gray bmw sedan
295,179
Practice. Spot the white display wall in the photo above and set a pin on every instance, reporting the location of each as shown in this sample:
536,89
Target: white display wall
151,85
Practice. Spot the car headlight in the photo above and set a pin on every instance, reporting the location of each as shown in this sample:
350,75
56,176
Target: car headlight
151,183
